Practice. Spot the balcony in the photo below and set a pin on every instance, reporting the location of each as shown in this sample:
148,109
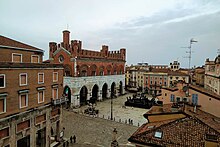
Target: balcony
59,101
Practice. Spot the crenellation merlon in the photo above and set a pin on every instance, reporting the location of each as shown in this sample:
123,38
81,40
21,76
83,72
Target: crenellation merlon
75,48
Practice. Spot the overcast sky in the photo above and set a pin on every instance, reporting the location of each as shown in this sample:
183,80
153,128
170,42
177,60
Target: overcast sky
152,31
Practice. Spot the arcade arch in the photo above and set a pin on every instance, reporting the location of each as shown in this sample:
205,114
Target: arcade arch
83,95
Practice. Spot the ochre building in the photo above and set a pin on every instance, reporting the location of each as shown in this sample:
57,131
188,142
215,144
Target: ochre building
30,97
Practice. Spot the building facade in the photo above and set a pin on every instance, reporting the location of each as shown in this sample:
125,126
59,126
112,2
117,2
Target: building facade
151,78
199,76
205,100
97,74
175,66
212,75
29,94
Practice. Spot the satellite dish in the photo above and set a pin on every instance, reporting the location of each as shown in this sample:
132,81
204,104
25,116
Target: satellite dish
185,88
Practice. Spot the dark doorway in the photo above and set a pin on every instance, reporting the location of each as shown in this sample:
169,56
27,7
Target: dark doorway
83,95
95,91
24,142
120,88
104,91
113,90
41,138
67,93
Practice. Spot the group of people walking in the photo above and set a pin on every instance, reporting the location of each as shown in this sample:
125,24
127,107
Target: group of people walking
72,140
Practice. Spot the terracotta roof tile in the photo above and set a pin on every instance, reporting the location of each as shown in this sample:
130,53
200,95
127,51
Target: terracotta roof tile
4,41
188,131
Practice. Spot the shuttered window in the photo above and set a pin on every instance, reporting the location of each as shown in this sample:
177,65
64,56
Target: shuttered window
40,78
23,79
55,76
2,105
55,93
35,59
40,96
17,58
2,81
23,100
172,97
195,99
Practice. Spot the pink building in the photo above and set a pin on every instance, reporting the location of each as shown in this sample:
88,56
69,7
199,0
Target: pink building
203,99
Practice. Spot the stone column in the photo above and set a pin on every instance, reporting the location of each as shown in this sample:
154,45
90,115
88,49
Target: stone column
12,139
48,127
108,93
100,98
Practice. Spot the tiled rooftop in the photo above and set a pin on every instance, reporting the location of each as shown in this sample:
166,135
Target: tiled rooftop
4,41
205,91
189,131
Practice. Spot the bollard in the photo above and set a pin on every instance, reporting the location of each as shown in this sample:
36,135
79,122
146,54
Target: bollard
103,116
126,121
138,124
114,118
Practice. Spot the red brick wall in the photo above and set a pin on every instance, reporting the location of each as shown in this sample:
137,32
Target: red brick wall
87,57
6,55
12,87
4,133
23,125
40,119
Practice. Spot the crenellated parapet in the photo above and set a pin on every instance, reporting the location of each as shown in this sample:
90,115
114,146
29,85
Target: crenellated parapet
75,48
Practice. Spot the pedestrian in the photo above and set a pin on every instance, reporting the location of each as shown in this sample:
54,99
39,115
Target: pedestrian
74,139
67,143
64,145
71,139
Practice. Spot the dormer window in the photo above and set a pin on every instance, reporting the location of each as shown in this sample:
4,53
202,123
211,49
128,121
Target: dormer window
158,134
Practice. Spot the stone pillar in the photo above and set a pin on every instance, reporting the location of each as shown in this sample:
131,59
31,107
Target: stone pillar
123,89
88,95
100,98
108,93
12,139
48,127
117,91
33,129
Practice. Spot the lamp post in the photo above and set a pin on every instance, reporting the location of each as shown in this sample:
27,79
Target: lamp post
111,106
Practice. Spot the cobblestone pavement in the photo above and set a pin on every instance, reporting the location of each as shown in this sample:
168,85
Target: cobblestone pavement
119,111
93,131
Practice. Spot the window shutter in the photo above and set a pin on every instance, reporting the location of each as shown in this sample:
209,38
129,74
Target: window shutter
41,96
1,105
54,93
23,79
23,100
16,58
34,59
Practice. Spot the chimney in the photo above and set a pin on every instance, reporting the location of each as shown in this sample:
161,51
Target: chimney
66,39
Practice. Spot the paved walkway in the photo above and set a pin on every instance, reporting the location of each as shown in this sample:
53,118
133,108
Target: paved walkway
120,112
97,131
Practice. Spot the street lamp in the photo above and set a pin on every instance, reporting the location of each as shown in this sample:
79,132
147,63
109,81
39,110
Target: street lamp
111,106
